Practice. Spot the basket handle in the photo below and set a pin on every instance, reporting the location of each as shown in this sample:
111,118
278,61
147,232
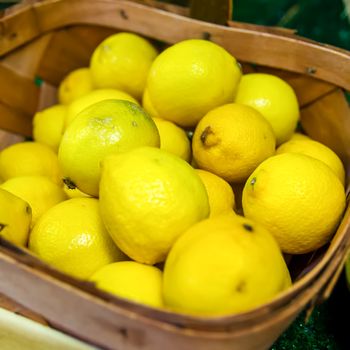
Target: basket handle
213,11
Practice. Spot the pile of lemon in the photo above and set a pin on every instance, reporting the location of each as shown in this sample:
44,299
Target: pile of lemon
171,179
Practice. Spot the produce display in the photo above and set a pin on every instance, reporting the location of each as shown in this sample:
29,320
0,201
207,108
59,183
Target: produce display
169,178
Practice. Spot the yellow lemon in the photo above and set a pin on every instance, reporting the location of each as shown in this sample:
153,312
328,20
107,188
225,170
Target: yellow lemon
15,218
297,198
93,97
190,78
316,150
72,238
274,98
48,125
222,265
230,141
38,191
173,139
106,127
29,158
220,194
122,61
299,136
73,192
148,198
75,84
131,280
148,106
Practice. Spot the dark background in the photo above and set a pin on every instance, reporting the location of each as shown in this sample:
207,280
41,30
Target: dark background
323,20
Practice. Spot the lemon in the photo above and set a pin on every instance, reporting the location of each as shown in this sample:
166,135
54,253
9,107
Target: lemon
38,191
148,106
72,238
74,192
15,218
220,194
190,78
299,199
148,198
299,136
93,97
48,125
131,280
122,61
173,139
106,127
274,98
222,265
29,158
316,150
75,84
231,140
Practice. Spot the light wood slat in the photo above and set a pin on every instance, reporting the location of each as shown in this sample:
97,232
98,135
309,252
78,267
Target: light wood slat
275,50
328,120
261,28
48,96
109,325
26,60
179,10
106,325
9,304
14,121
307,89
17,91
70,48
8,138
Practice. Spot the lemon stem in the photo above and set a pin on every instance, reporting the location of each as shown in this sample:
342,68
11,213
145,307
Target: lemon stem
69,183
248,227
253,181
208,137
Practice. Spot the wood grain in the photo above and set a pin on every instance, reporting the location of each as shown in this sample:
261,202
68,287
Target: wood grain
111,327
8,138
116,323
307,89
18,92
15,121
9,304
327,120
68,49
26,60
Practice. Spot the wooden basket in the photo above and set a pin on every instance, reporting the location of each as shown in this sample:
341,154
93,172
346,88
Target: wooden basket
46,39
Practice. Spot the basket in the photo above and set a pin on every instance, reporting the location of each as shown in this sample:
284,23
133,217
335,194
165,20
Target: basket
47,39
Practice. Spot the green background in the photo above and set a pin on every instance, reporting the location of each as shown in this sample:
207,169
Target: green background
322,20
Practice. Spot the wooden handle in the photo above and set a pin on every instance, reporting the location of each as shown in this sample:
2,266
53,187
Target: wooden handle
213,11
